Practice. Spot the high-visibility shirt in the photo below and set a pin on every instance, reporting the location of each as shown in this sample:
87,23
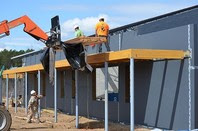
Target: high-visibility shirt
102,28
78,33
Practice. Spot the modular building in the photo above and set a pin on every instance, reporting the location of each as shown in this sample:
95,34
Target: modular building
164,89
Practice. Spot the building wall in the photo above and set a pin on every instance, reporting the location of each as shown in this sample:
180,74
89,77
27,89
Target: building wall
11,86
161,87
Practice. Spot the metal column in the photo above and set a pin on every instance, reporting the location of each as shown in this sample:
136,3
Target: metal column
26,88
132,94
15,92
39,93
55,95
1,87
6,91
88,95
76,97
120,41
106,96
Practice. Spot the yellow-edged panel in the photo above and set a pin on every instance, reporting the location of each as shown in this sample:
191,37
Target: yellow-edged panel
118,55
144,54
62,63
157,54
96,58
12,76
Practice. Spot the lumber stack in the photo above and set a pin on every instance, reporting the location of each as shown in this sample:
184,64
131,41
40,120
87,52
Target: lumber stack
86,40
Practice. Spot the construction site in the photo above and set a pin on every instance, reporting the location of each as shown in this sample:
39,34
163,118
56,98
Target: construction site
147,81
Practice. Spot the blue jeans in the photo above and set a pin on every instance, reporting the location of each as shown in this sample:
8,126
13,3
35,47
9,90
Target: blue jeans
99,46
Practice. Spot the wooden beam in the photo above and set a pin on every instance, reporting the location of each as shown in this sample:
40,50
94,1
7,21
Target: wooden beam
118,55
24,69
86,40
150,54
12,76
96,58
62,63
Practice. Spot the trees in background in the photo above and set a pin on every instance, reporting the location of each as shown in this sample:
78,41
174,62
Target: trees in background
5,57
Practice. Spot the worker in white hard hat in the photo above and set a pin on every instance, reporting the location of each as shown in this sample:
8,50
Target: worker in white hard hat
78,32
102,30
33,106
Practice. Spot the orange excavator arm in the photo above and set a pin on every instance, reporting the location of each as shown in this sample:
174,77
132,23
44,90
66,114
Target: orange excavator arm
30,27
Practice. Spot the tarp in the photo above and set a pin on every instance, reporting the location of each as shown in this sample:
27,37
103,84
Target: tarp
48,62
75,55
45,60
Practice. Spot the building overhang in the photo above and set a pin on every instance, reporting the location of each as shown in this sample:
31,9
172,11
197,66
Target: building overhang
111,57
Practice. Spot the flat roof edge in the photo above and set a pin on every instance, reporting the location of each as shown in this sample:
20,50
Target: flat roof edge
117,56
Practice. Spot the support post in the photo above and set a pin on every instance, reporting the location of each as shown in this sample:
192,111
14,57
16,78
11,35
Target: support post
26,88
39,93
7,91
88,95
55,95
15,92
106,96
120,41
1,87
76,97
132,94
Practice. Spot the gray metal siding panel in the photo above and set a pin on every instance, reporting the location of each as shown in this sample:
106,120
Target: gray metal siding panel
124,115
43,100
143,71
60,101
188,17
58,55
38,57
163,94
113,43
28,59
49,94
195,60
97,109
62,55
175,38
82,93
162,100
154,93
68,90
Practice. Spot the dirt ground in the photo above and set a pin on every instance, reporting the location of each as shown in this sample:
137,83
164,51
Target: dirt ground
65,122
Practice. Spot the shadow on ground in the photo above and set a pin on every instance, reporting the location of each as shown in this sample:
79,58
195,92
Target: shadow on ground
28,128
91,125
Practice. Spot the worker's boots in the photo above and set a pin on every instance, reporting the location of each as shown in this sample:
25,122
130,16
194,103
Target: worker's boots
29,121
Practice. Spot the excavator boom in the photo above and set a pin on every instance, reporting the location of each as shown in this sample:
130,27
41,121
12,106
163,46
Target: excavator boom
29,27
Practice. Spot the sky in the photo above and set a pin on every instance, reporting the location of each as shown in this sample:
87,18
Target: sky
83,13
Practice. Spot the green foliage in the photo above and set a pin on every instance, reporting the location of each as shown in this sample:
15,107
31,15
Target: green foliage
5,57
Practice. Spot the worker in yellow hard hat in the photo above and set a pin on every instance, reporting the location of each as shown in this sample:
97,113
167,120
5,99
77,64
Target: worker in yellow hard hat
102,30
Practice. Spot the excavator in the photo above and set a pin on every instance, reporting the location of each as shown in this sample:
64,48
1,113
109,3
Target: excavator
73,49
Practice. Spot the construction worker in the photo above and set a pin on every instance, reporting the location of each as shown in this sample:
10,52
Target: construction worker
78,32
33,106
102,30
19,101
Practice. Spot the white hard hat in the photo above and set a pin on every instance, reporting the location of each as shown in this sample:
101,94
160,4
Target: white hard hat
32,92
76,26
101,17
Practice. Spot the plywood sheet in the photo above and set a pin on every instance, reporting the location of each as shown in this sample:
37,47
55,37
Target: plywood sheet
86,40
